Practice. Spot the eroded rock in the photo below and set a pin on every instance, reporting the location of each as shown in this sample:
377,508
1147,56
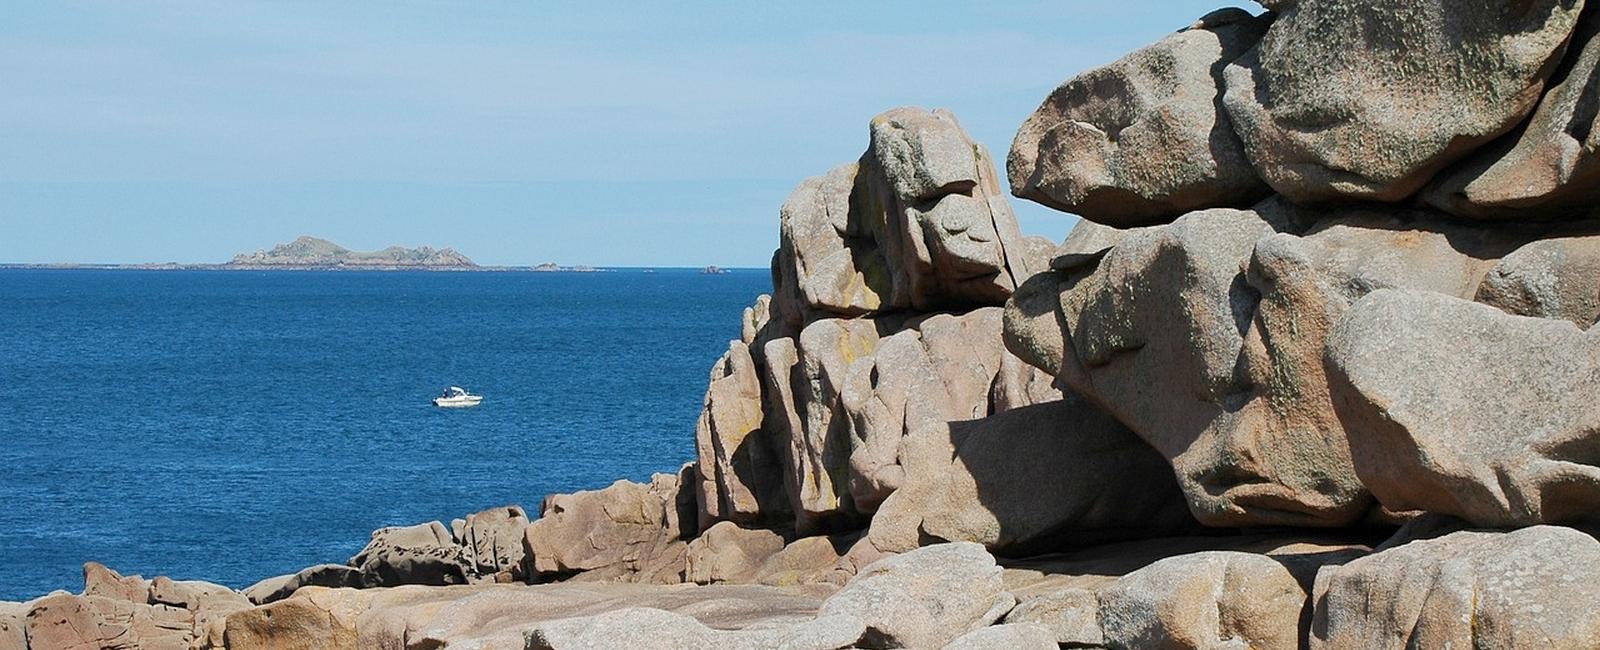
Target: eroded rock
1144,139
925,598
1205,337
1548,168
654,628
1035,479
1529,588
628,531
424,554
1368,100
728,553
1557,277
1461,409
491,542
1215,599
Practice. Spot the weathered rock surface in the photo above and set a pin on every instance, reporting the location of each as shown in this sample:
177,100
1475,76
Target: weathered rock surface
1144,139
119,611
740,473
925,598
1065,592
728,553
816,560
1038,478
99,580
1369,100
424,554
850,391
1071,616
503,616
653,628
628,531
1014,636
1550,278
321,575
918,223
491,542
1206,336
1460,409
1548,168
1216,599
1529,588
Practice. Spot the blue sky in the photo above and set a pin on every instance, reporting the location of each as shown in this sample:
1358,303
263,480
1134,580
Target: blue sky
645,134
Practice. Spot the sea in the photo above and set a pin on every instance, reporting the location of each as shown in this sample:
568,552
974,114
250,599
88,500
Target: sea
234,425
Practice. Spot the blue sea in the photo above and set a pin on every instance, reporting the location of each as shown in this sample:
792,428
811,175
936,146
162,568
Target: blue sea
230,426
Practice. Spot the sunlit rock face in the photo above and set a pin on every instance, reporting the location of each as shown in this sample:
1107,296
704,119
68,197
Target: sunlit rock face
1206,338
884,319
1144,139
918,223
1369,100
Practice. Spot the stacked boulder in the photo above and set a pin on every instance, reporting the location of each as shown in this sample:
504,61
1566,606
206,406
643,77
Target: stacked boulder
117,611
1348,280
836,406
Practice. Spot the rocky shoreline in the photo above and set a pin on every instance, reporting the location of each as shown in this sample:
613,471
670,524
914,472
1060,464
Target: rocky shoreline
1316,370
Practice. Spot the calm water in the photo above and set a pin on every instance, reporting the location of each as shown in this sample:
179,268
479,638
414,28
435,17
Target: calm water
230,426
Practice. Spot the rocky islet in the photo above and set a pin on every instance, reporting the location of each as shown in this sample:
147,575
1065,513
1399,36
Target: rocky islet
1314,371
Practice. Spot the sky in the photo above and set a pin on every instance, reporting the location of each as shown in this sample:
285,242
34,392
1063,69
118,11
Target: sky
603,133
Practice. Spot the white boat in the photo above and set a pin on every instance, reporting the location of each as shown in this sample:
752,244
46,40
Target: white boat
456,397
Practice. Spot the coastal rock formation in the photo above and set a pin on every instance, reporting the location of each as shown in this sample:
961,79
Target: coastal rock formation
925,598
1548,168
424,554
116,611
728,553
1368,100
1011,636
629,531
1549,278
1144,139
1037,478
322,575
1225,313
644,627
1528,588
1241,423
1204,600
740,473
311,252
884,319
491,542
919,222
1465,410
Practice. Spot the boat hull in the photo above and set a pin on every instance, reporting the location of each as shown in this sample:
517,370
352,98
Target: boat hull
456,402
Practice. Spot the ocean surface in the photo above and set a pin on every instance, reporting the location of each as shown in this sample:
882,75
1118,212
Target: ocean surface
230,426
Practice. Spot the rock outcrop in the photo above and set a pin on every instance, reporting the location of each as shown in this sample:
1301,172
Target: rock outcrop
884,319
1037,478
1465,410
424,554
1364,100
919,222
1529,588
1547,168
628,531
925,598
1206,338
1143,140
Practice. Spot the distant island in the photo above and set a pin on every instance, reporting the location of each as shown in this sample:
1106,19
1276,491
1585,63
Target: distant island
313,252
307,253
